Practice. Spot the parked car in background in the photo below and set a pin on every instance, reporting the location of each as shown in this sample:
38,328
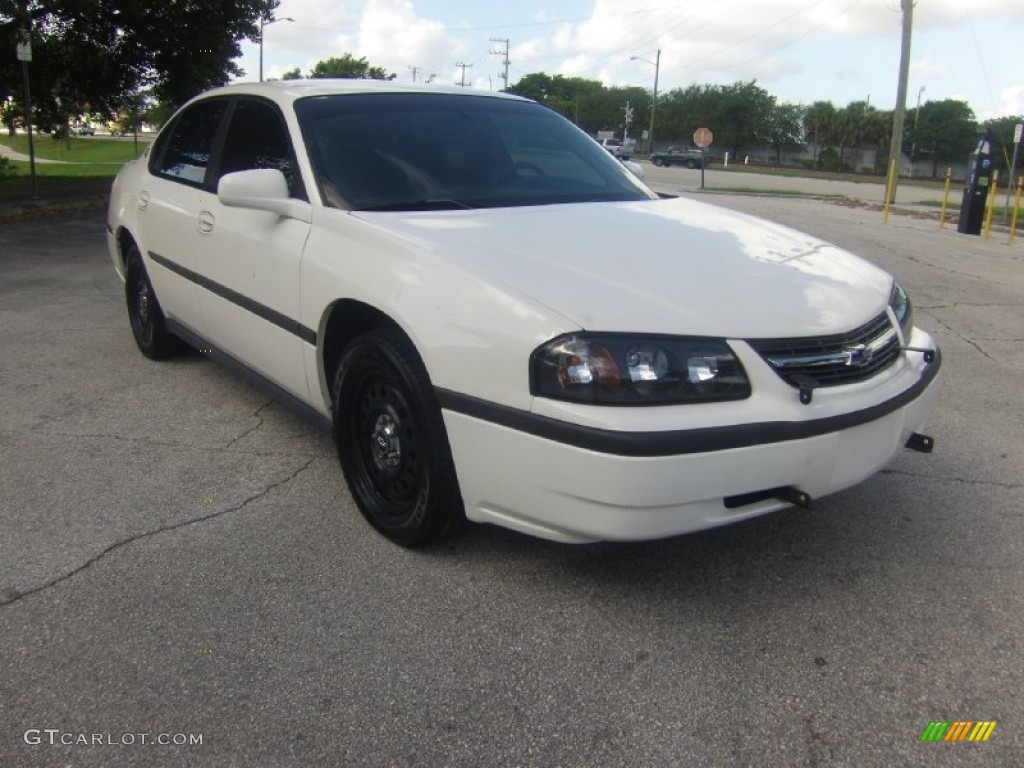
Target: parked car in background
691,158
83,130
614,146
499,322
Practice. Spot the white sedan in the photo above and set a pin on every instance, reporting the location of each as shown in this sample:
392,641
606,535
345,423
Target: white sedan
502,323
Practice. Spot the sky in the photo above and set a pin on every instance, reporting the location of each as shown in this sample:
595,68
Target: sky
799,51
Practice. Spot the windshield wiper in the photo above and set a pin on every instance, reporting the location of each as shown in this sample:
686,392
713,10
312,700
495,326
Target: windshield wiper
440,204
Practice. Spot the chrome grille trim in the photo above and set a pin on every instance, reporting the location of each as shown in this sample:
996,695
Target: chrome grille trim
833,360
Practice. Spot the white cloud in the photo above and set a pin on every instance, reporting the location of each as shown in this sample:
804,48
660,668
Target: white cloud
1012,101
927,68
831,49
388,33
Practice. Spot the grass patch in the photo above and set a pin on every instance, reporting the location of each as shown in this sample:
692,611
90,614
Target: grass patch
954,205
770,192
90,150
806,173
802,173
22,171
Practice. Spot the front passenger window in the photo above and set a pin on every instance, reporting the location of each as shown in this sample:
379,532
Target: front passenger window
257,138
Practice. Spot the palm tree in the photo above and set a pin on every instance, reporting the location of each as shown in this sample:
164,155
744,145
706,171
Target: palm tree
818,124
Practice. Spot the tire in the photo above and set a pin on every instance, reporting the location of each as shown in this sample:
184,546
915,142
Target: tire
657,161
691,164
147,319
392,442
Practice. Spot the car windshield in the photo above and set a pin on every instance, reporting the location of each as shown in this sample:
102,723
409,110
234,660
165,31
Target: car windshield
413,151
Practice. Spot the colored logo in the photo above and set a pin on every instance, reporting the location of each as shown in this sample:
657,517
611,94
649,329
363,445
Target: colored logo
958,730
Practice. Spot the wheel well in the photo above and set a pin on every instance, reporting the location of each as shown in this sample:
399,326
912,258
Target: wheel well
347,320
124,242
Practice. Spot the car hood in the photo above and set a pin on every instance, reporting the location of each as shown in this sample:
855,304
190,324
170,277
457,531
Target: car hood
661,266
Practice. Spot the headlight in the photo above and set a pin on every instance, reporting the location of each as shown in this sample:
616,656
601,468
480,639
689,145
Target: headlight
621,369
900,304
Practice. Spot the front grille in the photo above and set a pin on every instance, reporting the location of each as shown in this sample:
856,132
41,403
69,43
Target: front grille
843,358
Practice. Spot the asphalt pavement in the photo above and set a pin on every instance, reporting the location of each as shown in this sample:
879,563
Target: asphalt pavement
181,562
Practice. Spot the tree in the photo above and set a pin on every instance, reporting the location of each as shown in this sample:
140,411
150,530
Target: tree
818,126
1002,133
10,111
292,74
946,130
782,127
742,108
94,56
349,67
563,94
604,110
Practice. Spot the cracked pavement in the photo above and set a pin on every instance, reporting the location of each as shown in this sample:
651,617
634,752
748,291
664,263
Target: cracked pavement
179,555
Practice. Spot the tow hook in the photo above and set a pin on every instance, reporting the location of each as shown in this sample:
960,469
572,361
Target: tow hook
928,354
921,443
794,496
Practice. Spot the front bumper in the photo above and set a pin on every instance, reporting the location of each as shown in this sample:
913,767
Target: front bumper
572,484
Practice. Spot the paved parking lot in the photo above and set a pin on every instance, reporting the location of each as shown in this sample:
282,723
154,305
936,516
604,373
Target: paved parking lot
180,558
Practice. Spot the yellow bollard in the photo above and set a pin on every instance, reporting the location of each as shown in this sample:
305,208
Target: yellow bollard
889,184
991,203
1016,208
945,197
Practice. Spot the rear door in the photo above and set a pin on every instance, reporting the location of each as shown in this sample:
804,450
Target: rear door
169,202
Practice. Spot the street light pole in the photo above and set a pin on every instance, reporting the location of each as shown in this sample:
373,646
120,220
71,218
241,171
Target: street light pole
266,23
654,101
913,144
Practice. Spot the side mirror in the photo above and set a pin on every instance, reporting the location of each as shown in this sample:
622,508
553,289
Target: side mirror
264,189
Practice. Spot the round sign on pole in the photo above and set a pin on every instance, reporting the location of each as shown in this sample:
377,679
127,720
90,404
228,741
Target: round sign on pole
703,137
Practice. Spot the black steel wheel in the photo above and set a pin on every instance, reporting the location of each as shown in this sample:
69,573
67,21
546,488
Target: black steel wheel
392,442
147,319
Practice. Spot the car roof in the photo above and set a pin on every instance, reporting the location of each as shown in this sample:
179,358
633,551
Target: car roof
286,91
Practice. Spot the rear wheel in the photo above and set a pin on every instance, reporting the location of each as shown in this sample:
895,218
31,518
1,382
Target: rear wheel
657,161
147,319
392,442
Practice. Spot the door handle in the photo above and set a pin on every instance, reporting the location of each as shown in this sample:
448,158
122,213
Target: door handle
143,200
205,221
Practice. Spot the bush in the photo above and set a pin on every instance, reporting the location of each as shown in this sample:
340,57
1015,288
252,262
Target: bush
828,159
6,167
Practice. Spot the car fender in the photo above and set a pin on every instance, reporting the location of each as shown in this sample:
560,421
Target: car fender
449,313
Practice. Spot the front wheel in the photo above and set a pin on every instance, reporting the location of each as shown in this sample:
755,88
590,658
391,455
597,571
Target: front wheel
392,441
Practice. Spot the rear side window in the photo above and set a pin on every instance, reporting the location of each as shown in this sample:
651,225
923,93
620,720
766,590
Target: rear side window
186,155
257,138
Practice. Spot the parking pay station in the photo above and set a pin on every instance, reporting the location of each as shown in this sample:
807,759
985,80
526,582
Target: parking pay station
979,177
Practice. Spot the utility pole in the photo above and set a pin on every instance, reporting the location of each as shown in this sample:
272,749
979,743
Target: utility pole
414,71
503,54
463,67
896,142
24,54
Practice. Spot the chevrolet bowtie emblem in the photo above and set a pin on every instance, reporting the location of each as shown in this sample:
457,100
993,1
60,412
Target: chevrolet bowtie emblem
858,355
